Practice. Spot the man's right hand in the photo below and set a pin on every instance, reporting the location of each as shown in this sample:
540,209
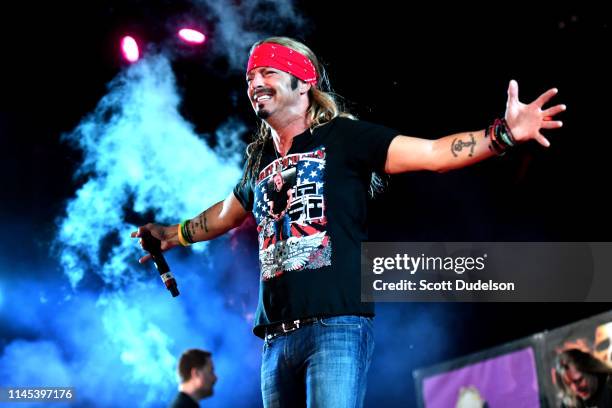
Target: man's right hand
166,234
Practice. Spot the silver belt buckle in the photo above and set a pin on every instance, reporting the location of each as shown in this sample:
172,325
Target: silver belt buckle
291,326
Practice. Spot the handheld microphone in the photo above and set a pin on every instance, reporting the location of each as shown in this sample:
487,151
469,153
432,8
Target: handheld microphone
153,246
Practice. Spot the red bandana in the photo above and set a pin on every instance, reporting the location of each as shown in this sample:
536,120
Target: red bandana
285,59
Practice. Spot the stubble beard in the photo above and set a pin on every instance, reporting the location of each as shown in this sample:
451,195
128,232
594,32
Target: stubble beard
263,114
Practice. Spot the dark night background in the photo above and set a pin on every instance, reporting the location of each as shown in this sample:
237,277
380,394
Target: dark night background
425,72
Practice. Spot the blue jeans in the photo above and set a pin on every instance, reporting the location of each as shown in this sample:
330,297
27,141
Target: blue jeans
324,364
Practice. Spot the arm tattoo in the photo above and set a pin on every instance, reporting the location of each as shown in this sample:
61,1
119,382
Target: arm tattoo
191,226
203,223
459,144
200,223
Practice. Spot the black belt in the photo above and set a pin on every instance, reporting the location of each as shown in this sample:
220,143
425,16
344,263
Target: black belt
287,327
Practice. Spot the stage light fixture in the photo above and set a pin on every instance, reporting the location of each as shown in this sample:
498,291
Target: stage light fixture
191,36
129,49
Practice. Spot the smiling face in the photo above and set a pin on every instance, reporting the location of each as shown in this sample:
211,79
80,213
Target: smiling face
272,91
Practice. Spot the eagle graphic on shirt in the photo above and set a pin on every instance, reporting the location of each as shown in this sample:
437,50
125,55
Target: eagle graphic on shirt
289,208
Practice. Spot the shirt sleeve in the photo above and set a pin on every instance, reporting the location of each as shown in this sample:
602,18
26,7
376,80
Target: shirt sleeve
244,193
368,142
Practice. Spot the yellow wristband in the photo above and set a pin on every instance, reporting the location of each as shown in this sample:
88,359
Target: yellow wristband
181,238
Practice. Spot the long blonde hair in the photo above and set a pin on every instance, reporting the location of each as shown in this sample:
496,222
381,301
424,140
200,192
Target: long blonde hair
325,105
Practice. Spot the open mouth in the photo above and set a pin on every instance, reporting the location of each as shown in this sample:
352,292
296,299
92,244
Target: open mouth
583,392
262,96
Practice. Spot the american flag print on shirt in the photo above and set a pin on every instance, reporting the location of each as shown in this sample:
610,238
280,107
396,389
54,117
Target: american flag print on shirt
289,208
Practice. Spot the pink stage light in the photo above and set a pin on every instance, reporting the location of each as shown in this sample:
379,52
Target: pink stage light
191,36
129,49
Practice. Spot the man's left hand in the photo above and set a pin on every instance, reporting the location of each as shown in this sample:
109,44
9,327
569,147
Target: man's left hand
525,121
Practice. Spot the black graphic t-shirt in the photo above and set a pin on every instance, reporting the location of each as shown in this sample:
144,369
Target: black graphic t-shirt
310,257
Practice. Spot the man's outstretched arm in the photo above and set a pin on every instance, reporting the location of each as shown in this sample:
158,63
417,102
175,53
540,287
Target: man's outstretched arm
463,149
214,221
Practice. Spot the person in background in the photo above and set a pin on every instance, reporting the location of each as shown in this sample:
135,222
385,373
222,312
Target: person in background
197,374
583,380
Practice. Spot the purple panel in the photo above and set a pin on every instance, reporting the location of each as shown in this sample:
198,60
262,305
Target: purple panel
507,380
